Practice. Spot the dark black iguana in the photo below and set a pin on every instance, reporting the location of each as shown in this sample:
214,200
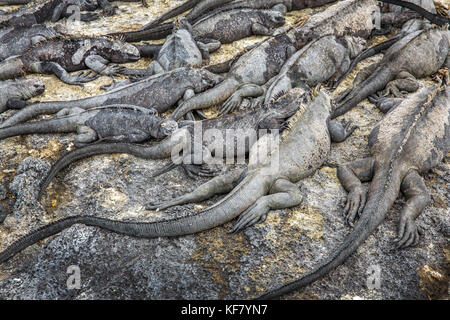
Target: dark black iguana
417,55
62,55
13,93
308,67
412,138
160,91
123,123
265,60
269,185
40,11
224,26
16,40
198,142
202,8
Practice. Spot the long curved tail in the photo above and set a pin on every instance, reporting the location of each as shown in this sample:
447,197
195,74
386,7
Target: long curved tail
189,4
244,195
33,110
57,125
158,150
373,214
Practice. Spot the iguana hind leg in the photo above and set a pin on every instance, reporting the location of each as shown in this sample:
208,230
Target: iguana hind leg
283,194
102,66
403,82
418,197
218,185
63,75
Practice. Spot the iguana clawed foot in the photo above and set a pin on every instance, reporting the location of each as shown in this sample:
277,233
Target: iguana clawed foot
356,201
204,170
80,78
408,233
256,213
231,104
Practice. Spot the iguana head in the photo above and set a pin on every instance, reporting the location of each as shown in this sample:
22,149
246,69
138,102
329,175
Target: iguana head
166,128
119,51
207,80
28,88
281,108
272,18
355,45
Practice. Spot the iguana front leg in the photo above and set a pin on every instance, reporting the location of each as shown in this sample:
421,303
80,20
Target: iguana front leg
283,194
218,185
418,197
351,175
62,74
339,131
101,66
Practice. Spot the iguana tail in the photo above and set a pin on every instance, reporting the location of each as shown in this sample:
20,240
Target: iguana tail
159,150
206,99
189,4
366,54
375,82
380,200
242,196
56,125
50,107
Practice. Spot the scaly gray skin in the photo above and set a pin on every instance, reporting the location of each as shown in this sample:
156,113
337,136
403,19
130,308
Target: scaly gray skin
411,139
17,40
312,64
263,62
212,6
160,92
231,25
409,27
15,92
40,11
225,26
266,187
63,55
308,67
195,140
417,55
179,50
121,123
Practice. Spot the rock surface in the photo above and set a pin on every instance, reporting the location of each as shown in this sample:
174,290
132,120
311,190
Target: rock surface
212,264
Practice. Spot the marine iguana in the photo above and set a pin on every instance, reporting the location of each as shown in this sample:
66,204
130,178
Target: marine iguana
225,26
179,50
198,142
62,55
308,67
270,185
122,123
417,55
213,6
17,40
264,61
14,92
411,139
40,11
159,91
